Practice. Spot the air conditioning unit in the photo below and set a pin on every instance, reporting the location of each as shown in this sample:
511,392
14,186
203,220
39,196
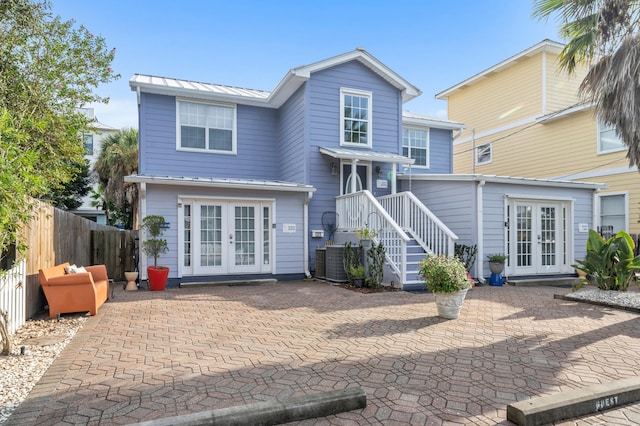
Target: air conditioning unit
335,265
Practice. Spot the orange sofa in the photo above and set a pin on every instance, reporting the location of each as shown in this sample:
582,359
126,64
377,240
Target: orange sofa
79,292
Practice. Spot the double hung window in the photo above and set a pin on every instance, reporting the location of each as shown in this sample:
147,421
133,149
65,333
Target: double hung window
356,117
608,140
206,127
415,144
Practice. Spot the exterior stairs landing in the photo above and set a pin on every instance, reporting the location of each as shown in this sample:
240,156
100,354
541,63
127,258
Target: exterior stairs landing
554,281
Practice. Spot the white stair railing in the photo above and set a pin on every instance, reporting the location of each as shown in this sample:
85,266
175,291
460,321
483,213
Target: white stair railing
361,210
429,231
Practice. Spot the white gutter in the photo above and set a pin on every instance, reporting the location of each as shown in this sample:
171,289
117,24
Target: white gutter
142,272
480,232
305,226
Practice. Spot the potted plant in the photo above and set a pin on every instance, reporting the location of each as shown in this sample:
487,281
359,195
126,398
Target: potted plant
467,255
357,275
496,262
154,246
446,278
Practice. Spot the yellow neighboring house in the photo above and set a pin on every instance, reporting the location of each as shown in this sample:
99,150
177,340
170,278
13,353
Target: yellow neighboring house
525,118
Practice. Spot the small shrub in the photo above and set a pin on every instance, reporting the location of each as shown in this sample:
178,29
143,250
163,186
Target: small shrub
443,274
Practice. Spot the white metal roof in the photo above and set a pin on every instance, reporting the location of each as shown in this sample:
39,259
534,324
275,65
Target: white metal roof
355,154
413,118
285,88
268,185
579,107
544,45
504,179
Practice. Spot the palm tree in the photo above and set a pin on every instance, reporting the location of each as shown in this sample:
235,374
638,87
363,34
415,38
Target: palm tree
119,158
604,34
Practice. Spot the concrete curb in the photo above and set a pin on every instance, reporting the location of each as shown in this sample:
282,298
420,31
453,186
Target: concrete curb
574,403
273,412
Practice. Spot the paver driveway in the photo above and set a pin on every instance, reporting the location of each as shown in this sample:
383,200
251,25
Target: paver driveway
149,355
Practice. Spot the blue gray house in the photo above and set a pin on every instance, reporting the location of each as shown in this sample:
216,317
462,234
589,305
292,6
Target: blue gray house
253,183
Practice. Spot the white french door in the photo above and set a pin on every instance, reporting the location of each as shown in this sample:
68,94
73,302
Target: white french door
225,237
539,237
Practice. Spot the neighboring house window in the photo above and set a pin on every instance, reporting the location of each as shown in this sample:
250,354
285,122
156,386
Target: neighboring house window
88,144
206,127
613,212
415,144
608,141
356,117
483,154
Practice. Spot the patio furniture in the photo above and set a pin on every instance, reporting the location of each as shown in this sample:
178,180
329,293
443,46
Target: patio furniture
75,292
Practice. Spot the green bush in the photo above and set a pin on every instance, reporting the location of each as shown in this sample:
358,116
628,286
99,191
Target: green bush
609,264
443,274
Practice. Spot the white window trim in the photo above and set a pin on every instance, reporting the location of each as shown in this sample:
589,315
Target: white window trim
626,207
490,160
599,129
363,93
428,130
234,130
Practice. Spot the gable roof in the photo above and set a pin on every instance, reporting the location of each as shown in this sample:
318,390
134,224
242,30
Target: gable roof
544,46
291,82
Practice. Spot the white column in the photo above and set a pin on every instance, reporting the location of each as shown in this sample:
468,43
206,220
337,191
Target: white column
394,188
354,174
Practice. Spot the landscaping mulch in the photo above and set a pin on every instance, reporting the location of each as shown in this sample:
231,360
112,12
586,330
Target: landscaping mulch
367,290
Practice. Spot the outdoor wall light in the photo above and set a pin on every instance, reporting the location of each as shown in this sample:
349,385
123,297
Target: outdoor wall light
378,171
334,169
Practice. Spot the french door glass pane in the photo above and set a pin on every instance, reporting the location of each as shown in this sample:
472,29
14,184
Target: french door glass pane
245,246
523,235
210,236
548,235
187,235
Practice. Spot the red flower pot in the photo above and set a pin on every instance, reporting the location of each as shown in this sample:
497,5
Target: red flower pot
158,276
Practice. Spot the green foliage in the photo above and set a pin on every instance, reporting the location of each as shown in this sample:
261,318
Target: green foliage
69,197
466,254
154,246
366,234
497,257
350,258
375,266
357,272
443,274
119,158
610,264
48,68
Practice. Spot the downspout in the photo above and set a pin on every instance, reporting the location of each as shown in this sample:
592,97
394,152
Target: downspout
595,218
480,232
473,152
143,212
305,237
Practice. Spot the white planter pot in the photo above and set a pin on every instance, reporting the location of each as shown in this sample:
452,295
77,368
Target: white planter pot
450,304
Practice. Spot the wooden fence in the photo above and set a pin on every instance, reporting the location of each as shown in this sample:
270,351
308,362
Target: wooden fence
13,295
55,236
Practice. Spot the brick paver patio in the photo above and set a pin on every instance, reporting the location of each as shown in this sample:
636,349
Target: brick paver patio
150,355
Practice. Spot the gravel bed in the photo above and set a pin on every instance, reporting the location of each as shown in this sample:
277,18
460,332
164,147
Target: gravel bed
43,341
621,299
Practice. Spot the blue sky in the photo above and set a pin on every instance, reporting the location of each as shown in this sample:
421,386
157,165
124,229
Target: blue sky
433,44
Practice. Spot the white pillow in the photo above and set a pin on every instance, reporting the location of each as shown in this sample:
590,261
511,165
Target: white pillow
73,269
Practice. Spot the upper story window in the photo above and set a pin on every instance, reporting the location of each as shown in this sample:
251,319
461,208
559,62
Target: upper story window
356,117
608,141
206,127
415,144
87,140
484,154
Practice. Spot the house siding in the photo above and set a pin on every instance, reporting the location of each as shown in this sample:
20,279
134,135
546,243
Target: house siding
495,102
288,206
441,154
561,88
451,202
256,140
323,109
292,127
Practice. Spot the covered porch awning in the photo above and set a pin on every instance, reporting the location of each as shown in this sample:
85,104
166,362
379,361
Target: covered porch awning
355,155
